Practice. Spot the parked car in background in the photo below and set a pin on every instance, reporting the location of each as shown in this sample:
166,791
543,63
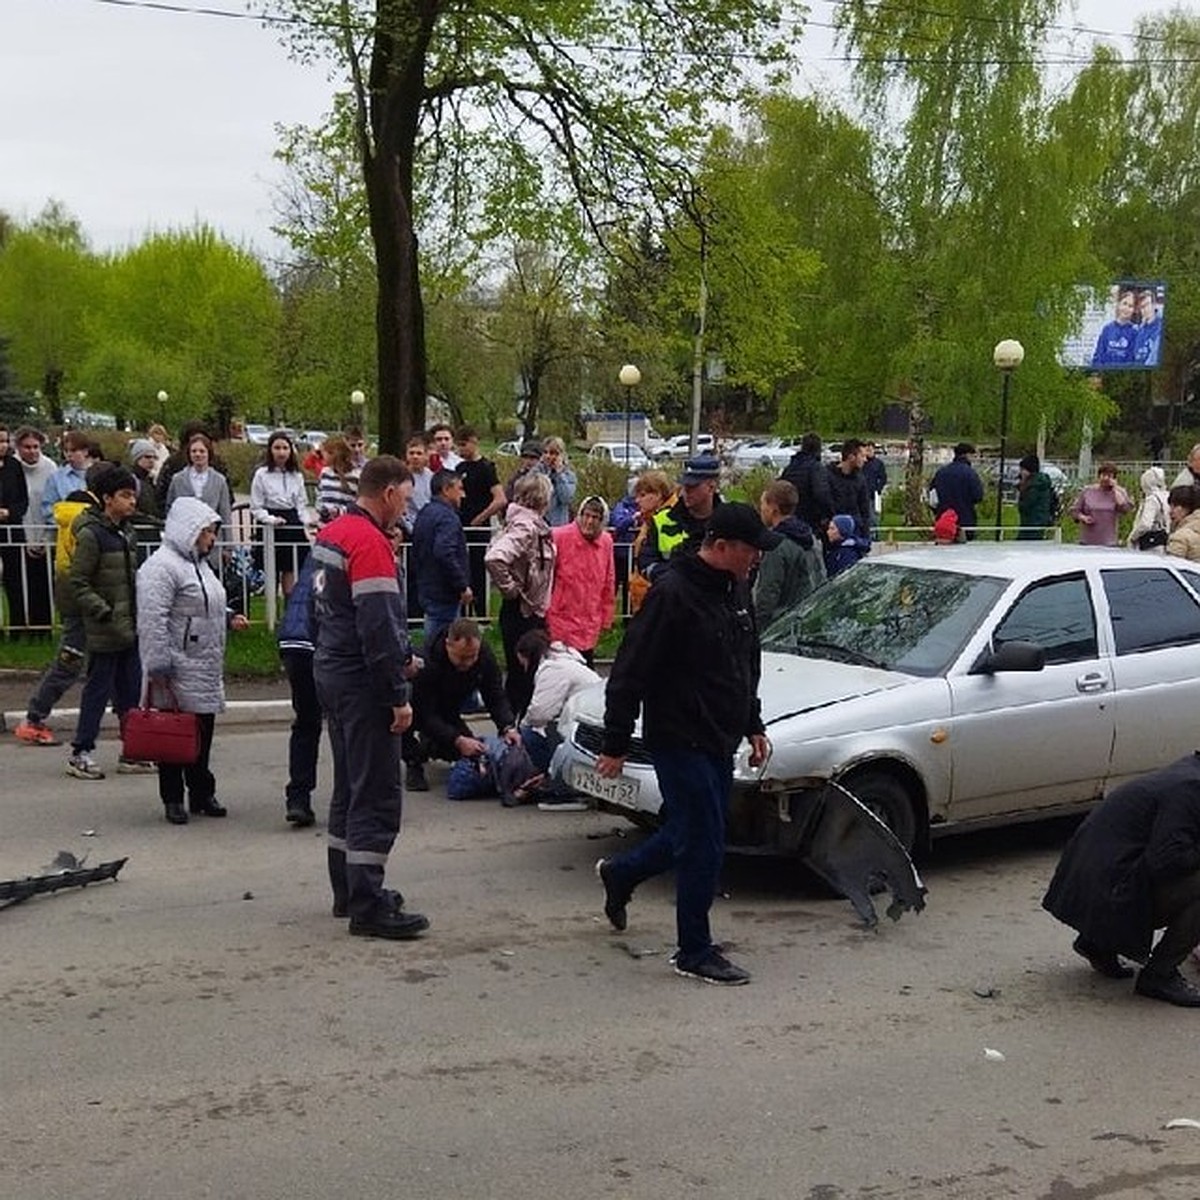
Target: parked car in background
314,439
951,688
1058,479
772,453
633,458
257,435
678,448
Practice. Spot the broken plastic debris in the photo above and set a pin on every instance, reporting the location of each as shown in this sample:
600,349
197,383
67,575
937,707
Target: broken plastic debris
89,833
985,991
992,1055
637,951
1182,1123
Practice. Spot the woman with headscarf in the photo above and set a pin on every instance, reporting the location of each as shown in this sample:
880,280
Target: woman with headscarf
520,561
182,619
581,602
1152,525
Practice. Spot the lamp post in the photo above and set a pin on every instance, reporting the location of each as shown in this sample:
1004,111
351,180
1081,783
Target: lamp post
628,377
1007,357
162,406
358,406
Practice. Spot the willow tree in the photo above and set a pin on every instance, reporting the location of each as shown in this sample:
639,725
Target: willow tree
986,201
465,113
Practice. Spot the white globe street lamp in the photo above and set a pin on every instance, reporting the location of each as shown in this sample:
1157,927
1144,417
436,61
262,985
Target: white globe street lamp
1007,357
628,377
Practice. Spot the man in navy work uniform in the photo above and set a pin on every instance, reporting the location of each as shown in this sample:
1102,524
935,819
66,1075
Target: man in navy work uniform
359,665
690,662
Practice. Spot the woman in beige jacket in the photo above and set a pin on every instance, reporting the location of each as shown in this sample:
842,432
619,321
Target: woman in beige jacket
1185,523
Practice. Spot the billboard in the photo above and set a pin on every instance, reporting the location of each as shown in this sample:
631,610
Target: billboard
1121,329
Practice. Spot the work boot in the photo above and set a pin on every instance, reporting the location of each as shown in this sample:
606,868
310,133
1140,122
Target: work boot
300,814
208,807
336,860
414,778
1170,986
1104,962
391,923
174,813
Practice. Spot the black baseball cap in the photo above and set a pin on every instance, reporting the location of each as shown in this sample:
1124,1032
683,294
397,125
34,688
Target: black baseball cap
738,522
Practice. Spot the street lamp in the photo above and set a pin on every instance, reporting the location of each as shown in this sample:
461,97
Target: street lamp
628,377
162,406
1007,357
358,405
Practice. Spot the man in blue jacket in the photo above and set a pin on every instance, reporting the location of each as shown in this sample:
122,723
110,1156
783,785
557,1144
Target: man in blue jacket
957,486
361,637
438,556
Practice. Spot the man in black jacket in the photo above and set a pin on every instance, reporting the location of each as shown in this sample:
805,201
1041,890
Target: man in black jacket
1132,867
848,488
807,474
458,663
690,662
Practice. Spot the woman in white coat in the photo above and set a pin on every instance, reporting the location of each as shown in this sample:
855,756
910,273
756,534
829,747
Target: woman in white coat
182,619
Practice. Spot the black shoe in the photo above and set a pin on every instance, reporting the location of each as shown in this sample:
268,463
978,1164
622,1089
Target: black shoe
1104,962
1171,987
300,815
341,904
414,779
716,968
614,901
207,808
391,924
175,814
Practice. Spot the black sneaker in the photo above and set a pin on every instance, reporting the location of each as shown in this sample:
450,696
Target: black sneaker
300,815
716,968
207,807
414,779
1171,987
614,901
391,924
1104,962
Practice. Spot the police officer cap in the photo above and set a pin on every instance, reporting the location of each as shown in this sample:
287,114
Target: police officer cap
700,468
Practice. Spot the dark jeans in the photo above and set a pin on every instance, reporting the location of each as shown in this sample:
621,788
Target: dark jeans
518,683
61,673
195,777
37,576
439,616
112,675
695,787
365,810
1176,906
478,537
304,742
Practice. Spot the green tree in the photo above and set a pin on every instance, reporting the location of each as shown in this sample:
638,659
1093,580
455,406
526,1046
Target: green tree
497,108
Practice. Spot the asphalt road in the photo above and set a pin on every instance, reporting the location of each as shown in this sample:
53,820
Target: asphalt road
204,1027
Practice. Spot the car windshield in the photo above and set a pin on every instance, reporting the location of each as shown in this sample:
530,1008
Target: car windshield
894,617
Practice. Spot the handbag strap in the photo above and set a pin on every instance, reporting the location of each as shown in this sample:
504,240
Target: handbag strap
166,685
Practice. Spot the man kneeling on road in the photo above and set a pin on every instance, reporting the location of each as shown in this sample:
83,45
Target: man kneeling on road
690,662
1132,867
457,663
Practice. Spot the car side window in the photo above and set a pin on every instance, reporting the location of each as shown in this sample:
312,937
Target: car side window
1056,615
1150,609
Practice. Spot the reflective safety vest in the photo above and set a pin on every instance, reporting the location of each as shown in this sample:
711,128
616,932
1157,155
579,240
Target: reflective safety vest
669,533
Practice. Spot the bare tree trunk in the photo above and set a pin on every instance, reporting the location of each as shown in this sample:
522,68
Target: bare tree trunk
916,512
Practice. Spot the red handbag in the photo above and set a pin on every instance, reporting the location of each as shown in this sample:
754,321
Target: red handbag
161,735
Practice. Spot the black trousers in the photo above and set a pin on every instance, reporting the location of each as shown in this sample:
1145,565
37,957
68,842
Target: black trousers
1176,906
304,741
518,683
196,778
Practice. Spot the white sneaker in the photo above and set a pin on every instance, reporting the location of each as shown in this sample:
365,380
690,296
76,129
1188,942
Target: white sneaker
82,766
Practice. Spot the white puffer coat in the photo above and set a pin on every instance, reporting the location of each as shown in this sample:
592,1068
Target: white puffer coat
181,612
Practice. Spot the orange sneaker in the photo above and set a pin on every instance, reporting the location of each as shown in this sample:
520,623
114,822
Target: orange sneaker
32,733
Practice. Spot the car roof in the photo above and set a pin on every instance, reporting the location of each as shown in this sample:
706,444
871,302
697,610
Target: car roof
1016,560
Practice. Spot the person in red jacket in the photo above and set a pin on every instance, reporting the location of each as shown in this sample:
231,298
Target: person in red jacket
361,668
585,585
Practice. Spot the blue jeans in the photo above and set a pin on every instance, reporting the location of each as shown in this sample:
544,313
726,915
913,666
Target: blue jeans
61,673
112,675
439,616
695,787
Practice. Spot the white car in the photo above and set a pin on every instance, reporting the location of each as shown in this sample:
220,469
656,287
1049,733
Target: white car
314,438
679,447
257,435
951,688
771,453
633,458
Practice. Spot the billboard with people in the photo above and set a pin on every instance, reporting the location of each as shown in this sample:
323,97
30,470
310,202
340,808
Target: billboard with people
1121,329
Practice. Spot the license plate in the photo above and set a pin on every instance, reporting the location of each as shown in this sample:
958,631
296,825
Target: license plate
616,791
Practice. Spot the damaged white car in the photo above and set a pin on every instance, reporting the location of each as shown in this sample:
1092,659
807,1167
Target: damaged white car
946,689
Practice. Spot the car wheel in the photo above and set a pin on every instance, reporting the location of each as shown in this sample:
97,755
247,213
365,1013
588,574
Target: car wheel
889,800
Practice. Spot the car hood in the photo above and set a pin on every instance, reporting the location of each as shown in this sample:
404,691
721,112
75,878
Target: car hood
792,685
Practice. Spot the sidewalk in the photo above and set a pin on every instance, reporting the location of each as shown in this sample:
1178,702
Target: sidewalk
249,702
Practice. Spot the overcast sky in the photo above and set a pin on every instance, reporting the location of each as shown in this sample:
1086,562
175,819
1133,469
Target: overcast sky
139,119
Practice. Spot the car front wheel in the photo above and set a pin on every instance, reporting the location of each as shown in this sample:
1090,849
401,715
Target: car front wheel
889,800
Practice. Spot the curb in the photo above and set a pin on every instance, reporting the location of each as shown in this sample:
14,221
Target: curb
236,712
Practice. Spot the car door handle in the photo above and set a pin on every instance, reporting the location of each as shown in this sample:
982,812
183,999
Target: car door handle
1091,683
